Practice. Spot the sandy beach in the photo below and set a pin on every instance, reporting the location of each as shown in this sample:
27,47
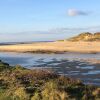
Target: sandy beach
54,47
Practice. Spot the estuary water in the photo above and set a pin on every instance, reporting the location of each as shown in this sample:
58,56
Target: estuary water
74,65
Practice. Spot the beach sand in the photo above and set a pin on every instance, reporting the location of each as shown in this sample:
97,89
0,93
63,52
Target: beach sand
54,47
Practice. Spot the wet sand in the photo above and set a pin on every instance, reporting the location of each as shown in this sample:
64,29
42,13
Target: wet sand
88,73
54,47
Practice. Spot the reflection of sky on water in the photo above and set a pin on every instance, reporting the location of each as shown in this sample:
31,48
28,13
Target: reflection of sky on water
67,64
92,72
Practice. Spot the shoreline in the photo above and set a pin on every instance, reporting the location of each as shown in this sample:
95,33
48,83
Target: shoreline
54,47
49,52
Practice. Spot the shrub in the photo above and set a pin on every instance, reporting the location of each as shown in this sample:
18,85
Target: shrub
21,94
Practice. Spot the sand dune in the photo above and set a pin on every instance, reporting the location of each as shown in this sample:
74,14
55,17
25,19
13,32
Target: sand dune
58,46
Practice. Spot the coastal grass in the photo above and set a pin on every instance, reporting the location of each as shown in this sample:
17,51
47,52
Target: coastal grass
18,83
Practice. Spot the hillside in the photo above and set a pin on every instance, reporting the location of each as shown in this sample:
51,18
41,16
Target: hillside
86,37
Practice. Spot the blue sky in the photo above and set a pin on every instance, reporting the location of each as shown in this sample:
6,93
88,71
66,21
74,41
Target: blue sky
47,19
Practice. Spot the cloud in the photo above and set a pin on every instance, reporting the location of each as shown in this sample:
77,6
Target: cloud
47,35
75,12
75,30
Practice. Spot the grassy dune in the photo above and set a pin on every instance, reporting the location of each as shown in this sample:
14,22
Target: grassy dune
18,83
54,47
86,37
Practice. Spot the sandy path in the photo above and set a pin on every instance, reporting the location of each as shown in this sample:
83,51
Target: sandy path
84,47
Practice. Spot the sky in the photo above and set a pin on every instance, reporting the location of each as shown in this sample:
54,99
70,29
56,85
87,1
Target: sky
47,20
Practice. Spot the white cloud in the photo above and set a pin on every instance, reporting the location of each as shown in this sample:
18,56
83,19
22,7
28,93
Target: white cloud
75,30
75,12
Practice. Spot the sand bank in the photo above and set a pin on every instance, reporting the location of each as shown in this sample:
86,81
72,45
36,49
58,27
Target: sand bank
54,47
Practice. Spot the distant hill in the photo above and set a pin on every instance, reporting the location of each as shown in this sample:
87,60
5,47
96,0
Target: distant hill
86,37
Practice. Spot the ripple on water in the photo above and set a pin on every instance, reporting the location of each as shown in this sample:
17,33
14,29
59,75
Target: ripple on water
93,72
86,67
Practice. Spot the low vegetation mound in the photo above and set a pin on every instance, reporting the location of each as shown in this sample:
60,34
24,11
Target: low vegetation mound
86,37
18,83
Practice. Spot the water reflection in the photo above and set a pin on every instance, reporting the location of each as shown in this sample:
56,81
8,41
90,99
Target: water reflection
70,64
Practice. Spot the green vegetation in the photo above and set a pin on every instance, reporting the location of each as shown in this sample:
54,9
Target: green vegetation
46,51
18,83
86,37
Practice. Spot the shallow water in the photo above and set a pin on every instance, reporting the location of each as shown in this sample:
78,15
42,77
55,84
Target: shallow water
70,64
